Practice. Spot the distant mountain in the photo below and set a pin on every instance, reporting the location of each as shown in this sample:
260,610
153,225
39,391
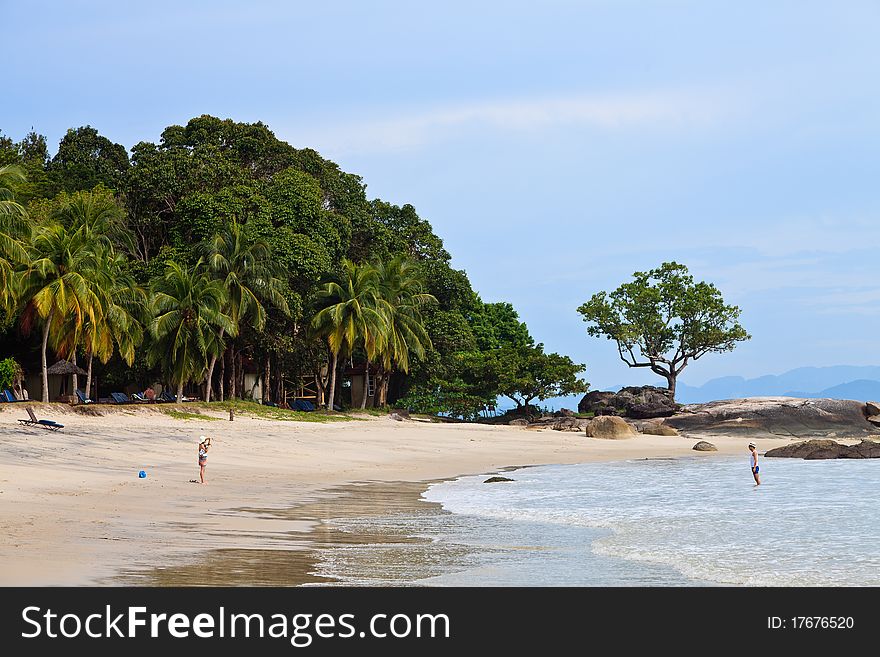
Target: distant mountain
839,382
861,390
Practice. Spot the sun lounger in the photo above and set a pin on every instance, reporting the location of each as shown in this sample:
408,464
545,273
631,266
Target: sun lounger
139,397
120,398
82,398
52,425
167,397
9,396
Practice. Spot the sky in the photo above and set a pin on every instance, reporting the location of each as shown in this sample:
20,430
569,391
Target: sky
556,147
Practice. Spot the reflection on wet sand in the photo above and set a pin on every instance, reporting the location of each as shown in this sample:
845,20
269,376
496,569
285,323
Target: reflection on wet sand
299,558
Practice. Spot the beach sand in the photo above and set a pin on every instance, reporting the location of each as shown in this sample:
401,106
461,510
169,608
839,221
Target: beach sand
73,510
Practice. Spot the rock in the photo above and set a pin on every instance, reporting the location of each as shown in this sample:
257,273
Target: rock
658,429
520,422
827,449
609,426
397,416
790,417
402,412
495,480
872,408
639,402
874,419
703,446
565,412
570,423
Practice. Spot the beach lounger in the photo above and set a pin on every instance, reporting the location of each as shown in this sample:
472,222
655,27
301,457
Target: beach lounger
9,396
139,397
82,398
52,425
166,397
120,398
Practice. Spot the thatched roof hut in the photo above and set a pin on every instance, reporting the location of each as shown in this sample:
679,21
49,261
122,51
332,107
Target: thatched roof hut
64,367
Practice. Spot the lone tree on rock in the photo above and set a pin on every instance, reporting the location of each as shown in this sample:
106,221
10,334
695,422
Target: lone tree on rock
663,320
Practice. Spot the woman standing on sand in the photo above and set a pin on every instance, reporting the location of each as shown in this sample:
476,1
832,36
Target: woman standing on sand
755,468
204,446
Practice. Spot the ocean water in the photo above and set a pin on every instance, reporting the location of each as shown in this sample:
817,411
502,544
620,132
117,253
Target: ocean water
677,522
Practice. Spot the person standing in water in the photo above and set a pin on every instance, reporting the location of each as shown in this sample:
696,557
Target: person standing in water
754,460
204,446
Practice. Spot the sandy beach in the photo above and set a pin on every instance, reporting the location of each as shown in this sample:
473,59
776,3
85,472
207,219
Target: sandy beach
73,510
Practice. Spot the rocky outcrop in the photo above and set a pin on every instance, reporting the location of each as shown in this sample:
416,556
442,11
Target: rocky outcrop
776,417
657,429
495,480
520,422
637,402
571,423
872,408
704,446
827,449
610,427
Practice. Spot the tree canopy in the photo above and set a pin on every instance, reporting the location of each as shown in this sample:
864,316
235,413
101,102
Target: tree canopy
664,320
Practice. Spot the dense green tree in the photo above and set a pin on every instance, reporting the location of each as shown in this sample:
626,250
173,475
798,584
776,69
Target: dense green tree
526,373
663,320
85,159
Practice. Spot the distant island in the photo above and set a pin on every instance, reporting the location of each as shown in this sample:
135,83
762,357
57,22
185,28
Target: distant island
836,382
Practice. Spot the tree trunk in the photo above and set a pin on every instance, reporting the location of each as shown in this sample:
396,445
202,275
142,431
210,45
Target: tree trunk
75,378
670,383
332,392
180,391
239,370
231,373
89,378
264,393
366,385
385,381
43,362
222,374
210,374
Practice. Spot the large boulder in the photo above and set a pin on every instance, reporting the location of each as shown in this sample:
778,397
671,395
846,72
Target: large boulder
638,402
570,423
827,449
872,408
703,446
610,427
774,417
658,429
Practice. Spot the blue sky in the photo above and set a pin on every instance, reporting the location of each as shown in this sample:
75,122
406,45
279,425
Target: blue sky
556,147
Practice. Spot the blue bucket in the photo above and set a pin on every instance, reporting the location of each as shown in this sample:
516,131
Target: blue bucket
142,475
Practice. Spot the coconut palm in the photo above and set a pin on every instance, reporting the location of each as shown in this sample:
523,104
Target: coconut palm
58,284
401,295
348,315
188,309
119,327
14,230
247,271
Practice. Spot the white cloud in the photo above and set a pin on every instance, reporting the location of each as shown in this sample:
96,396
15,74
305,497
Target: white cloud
610,111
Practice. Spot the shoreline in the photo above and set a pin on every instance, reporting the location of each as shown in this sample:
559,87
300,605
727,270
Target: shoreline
75,513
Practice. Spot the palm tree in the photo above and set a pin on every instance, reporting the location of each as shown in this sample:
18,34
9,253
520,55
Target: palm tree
401,294
14,228
348,315
120,324
58,283
247,271
122,302
188,309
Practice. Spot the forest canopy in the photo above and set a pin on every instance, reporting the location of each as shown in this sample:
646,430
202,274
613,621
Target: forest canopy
221,250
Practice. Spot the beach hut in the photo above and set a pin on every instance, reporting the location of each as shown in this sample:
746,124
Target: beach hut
61,380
